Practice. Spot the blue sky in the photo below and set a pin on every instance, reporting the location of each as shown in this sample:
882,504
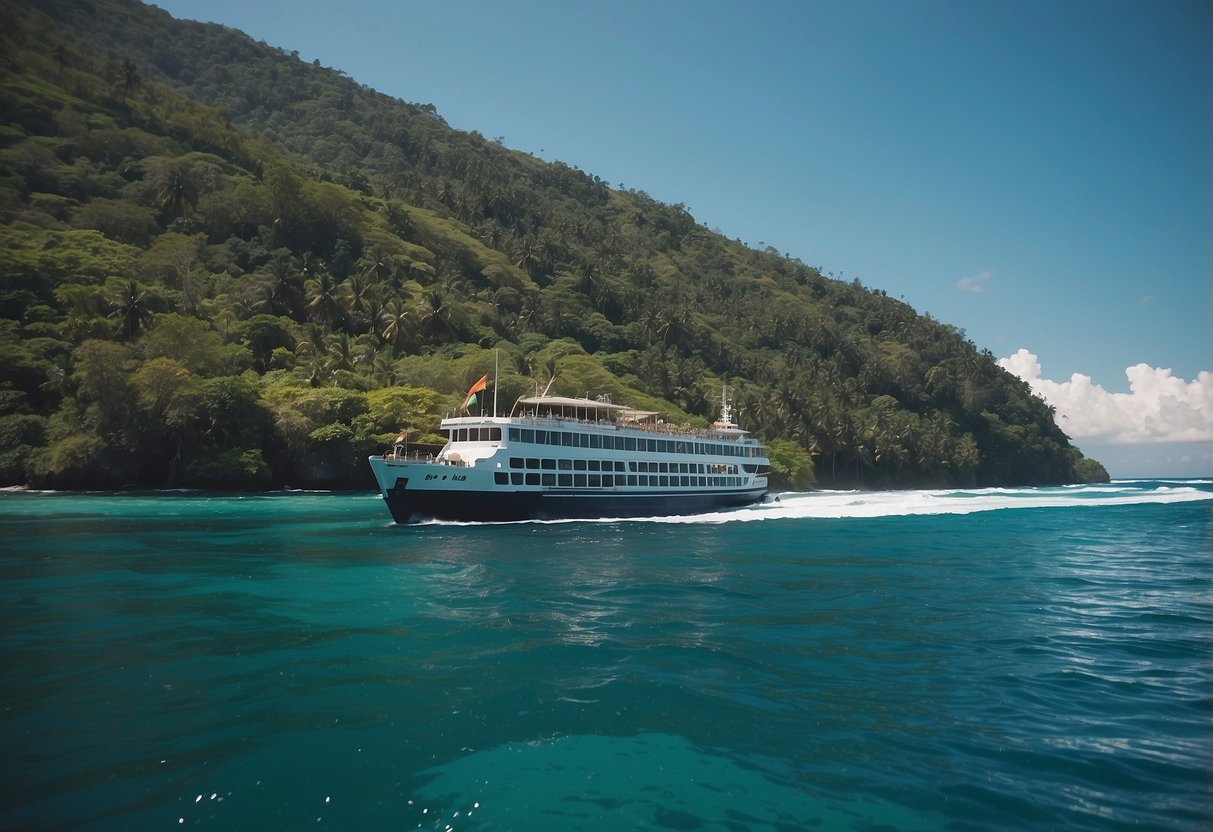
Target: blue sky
1037,174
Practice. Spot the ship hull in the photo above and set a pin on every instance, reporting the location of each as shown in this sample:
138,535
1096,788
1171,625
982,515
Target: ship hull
502,506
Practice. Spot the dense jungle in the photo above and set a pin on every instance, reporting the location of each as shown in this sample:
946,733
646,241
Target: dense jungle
222,266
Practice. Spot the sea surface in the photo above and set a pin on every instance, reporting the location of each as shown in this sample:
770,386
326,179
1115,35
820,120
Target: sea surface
1021,659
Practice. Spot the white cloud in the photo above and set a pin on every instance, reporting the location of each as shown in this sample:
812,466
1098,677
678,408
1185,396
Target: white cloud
1158,408
976,283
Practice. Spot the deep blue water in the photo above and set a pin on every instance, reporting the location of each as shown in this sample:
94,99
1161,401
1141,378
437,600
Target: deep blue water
1005,659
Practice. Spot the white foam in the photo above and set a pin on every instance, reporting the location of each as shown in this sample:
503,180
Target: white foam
868,504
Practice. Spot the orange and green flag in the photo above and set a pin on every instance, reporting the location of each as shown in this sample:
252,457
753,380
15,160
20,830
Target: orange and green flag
476,388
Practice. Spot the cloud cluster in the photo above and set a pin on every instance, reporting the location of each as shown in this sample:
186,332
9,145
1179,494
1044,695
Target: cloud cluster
975,283
1158,408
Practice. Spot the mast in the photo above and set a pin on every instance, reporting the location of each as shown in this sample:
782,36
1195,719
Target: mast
726,414
496,361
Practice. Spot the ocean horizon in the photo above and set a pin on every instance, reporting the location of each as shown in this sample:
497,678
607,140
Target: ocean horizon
968,659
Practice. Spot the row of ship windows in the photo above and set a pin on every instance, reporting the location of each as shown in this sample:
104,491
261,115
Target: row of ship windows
569,439
611,480
475,434
618,465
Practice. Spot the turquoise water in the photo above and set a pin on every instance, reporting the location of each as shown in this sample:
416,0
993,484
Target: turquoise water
1001,659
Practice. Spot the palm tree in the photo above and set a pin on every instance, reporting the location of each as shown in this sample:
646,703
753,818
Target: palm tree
324,302
310,347
436,315
380,266
283,287
175,193
341,352
527,255
130,78
131,310
395,320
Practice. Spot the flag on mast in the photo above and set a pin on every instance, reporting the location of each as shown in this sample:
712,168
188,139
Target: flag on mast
476,388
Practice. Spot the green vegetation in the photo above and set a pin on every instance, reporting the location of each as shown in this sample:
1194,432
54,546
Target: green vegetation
221,266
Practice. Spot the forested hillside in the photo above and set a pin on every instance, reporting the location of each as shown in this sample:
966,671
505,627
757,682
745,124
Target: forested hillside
221,266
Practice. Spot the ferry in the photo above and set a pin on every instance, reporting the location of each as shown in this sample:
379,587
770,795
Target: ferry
555,458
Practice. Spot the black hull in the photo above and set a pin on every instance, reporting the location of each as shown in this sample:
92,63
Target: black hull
501,506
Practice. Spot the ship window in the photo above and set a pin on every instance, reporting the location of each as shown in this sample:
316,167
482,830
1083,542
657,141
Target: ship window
528,435
629,443
686,481
473,434
516,462
578,464
549,465
595,441
593,465
565,439
631,479
515,478
579,480
549,479
532,479
703,480
515,433
644,479
595,481
565,479
631,466
619,466
608,481
565,464
652,443
608,442
494,434
501,478
532,462
541,437
664,481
